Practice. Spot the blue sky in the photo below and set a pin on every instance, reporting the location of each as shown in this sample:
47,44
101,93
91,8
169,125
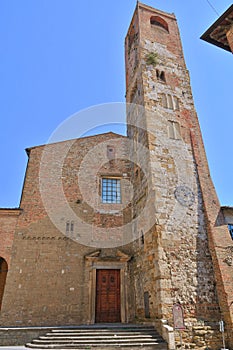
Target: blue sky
58,57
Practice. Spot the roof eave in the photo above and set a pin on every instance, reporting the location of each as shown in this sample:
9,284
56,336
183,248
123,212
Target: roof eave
206,36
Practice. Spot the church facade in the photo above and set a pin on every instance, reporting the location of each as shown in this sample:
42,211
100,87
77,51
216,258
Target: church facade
115,229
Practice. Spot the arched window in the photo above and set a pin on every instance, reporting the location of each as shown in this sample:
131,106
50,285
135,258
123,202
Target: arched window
160,75
3,273
159,22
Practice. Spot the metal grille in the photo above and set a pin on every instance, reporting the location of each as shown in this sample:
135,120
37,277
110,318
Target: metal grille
111,190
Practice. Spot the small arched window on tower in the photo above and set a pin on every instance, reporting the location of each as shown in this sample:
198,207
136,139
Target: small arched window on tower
159,22
160,75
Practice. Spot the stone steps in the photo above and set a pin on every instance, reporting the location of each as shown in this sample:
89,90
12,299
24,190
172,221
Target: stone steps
100,337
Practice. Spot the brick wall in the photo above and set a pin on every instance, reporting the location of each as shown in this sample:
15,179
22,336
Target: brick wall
48,280
8,220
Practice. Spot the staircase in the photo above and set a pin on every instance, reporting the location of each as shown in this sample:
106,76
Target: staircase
101,337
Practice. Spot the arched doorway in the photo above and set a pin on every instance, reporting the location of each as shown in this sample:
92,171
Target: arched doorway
3,274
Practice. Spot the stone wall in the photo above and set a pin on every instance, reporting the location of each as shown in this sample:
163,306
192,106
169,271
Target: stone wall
20,336
174,261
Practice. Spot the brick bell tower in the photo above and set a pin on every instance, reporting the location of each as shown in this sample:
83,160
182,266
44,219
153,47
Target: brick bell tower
179,250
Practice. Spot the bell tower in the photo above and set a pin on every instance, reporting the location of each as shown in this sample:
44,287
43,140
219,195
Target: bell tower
176,259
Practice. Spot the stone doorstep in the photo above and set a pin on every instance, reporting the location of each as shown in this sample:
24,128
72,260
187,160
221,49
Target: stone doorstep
102,347
130,336
99,348
98,336
137,346
96,341
91,343
100,332
128,346
82,327
101,337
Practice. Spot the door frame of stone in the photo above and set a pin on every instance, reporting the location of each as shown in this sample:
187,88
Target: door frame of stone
94,262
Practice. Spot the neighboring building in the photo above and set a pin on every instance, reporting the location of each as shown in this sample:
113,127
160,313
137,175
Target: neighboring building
228,215
221,32
119,229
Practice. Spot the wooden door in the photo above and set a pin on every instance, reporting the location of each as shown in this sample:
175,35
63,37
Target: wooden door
108,308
